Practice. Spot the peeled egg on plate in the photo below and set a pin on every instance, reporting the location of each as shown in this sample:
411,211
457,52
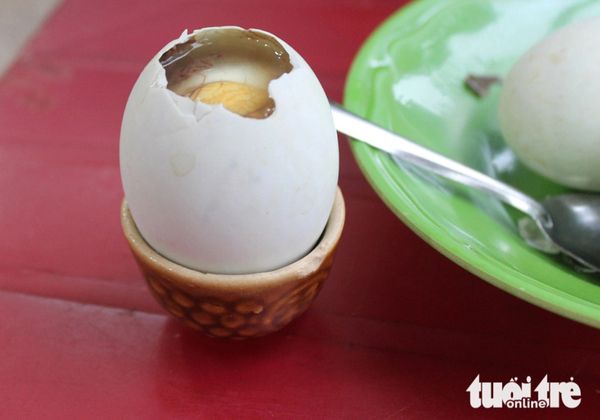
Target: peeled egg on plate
229,156
550,106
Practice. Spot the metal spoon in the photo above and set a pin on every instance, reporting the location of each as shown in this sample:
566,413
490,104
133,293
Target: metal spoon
569,222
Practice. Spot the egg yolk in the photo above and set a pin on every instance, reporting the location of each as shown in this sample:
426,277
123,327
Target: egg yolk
245,100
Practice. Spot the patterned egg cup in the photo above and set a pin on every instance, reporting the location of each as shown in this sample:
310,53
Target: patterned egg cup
237,306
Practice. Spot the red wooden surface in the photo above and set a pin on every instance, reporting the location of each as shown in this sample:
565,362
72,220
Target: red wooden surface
398,330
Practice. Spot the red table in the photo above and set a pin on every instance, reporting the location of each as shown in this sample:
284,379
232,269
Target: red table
397,331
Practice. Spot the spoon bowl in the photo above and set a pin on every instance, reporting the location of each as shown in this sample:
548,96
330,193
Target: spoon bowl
575,226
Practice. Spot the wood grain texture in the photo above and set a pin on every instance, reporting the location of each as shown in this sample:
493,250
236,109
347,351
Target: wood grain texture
397,331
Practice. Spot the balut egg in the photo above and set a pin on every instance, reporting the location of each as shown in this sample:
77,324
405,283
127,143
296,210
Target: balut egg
229,157
550,106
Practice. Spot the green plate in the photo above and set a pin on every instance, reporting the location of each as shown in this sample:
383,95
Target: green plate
409,77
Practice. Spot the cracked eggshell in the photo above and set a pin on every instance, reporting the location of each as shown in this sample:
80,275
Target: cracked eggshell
222,193
549,108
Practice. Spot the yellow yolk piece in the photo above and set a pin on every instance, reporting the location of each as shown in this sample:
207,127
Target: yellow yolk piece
245,100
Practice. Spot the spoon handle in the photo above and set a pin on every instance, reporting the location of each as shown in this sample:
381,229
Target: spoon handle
360,129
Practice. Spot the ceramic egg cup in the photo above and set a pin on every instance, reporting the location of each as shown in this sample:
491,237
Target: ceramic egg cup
237,306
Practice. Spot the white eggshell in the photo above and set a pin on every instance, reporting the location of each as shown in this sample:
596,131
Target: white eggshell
550,106
222,193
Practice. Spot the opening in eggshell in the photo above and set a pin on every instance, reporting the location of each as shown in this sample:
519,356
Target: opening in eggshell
228,66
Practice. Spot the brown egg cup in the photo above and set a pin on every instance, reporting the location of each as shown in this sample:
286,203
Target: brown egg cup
237,306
